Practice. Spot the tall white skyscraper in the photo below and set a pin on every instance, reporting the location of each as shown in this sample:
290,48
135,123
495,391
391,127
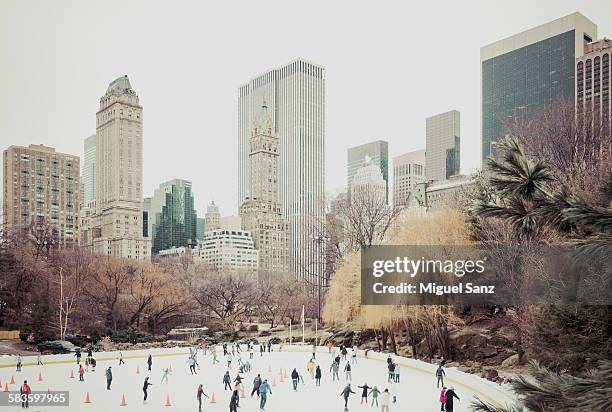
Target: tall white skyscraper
408,170
89,170
117,228
442,145
295,95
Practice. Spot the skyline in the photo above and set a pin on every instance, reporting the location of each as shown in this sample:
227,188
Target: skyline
178,136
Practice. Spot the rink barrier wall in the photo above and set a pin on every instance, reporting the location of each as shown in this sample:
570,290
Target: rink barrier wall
488,391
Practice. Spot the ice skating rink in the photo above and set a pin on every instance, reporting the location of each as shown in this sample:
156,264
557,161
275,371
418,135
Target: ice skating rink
415,393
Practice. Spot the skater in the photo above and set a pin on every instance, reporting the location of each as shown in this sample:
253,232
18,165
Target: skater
375,392
335,367
384,401
199,395
234,401
150,361
250,351
261,350
314,350
347,372
214,354
89,352
269,346
364,393
39,359
448,399
264,389
442,398
329,347
165,376
93,364
224,346
81,373
345,393
77,354
440,374
397,373
343,352
227,381
25,391
318,376
229,360
238,385
192,365
310,366
295,378
256,385
391,367
109,378
19,362
121,361
145,387
87,363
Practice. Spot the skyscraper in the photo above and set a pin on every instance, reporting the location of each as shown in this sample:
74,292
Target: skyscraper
261,212
593,78
523,72
212,217
295,94
89,171
117,227
41,194
408,170
172,217
376,152
442,146
369,184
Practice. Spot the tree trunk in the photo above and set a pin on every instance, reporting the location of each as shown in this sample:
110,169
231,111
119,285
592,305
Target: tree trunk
392,338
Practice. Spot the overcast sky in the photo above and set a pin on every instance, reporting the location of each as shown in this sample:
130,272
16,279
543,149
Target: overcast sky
389,65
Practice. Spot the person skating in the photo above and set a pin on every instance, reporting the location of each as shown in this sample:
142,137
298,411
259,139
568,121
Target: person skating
227,381
397,373
354,354
93,362
150,361
329,347
192,365
295,378
39,359
77,354
18,362
440,374
343,352
145,388
442,398
214,355
345,393
250,351
261,350
234,401
347,372
310,367
81,373
264,389
109,378
391,367
238,384
448,399
89,352
121,361
375,392
256,385
270,346
199,395
385,399
165,376
25,391
335,368
314,351
229,359
224,346
364,393
318,376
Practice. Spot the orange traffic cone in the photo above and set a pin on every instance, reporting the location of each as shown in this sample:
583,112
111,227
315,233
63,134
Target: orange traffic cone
48,390
39,376
274,382
123,402
87,398
12,380
71,375
5,387
137,370
213,399
170,368
168,401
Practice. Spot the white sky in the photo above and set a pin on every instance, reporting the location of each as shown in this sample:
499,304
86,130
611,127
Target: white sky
389,65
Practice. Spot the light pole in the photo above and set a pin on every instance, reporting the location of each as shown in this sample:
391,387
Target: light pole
320,240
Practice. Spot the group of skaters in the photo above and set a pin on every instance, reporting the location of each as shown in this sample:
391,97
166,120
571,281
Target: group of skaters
371,395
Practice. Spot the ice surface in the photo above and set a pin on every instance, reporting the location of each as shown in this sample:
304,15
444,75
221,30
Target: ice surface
416,392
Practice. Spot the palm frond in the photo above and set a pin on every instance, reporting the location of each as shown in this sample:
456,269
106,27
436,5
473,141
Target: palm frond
478,405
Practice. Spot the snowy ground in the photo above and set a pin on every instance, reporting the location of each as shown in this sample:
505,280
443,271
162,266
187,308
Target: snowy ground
416,392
